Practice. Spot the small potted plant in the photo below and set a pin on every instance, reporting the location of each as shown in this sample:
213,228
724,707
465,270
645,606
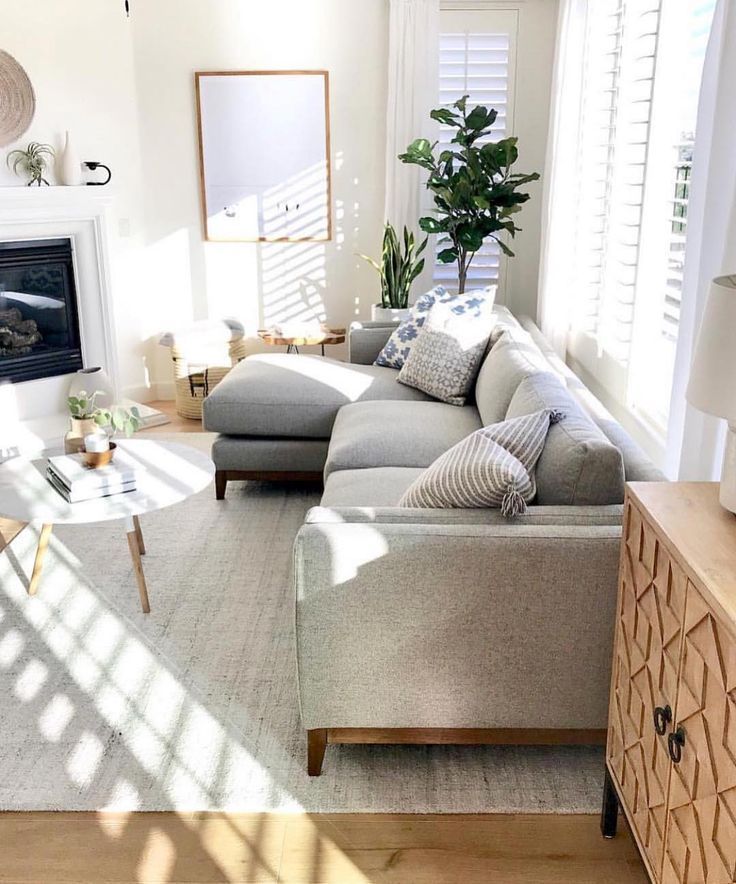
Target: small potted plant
400,265
34,161
86,417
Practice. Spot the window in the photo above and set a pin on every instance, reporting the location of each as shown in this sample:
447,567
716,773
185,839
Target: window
477,51
641,81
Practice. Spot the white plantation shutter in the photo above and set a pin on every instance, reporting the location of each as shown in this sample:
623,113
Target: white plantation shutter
670,319
616,114
641,79
476,59
699,30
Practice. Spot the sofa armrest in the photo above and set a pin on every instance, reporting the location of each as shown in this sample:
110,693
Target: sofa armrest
367,339
455,626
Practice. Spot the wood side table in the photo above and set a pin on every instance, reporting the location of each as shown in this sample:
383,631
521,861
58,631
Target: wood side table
169,473
292,344
671,754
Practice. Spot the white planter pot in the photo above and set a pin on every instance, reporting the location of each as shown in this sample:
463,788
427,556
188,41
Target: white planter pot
388,314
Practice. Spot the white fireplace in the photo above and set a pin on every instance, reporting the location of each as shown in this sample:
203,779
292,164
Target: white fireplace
33,413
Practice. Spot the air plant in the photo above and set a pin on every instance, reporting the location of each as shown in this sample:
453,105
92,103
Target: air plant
34,161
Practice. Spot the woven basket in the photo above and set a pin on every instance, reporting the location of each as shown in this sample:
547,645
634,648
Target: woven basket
195,381
194,376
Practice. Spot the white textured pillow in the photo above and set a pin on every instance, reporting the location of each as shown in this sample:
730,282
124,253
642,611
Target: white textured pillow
445,359
399,345
492,467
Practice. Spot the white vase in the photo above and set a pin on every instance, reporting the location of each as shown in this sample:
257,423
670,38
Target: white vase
71,166
91,380
389,314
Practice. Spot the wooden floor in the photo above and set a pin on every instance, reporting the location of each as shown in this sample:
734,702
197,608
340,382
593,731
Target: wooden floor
98,848
82,848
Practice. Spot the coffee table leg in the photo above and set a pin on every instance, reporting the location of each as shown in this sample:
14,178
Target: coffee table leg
135,554
139,535
43,542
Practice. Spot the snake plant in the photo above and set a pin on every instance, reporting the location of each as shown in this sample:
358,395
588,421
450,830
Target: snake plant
34,161
399,267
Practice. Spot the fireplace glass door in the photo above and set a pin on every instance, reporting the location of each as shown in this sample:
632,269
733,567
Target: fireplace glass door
39,320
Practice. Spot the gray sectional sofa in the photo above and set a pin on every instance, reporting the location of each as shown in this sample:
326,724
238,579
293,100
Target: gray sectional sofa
438,625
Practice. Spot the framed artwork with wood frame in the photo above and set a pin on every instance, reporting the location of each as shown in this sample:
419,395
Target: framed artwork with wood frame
264,155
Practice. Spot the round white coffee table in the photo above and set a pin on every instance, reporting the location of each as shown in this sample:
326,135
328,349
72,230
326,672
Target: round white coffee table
169,473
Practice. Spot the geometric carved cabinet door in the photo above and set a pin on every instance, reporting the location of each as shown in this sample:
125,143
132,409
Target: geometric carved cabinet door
701,826
649,629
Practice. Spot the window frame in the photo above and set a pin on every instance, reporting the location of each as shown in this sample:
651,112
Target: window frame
458,16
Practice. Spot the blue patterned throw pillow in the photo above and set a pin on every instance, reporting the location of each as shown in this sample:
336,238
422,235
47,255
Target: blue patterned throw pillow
399,345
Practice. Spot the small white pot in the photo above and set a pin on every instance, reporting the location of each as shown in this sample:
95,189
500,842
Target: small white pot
389,314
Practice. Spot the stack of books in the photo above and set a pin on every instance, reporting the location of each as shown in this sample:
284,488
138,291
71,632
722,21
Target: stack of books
76,482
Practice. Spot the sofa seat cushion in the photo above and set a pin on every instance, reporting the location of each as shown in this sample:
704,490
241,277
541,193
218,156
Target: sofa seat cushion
513,357
578,466
275,394
382,486
396,434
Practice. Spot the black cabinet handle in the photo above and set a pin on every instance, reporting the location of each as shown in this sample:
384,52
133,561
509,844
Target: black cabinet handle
675,742
662,717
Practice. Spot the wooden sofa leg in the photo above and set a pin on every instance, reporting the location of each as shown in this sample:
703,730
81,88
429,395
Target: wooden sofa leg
220,484
316,745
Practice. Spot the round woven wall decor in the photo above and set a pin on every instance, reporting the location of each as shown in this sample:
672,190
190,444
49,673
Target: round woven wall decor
17,100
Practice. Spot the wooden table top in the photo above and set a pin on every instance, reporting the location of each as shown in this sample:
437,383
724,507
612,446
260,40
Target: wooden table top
328,336
699,533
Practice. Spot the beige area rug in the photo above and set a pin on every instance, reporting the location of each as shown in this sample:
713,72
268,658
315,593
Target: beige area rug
194,706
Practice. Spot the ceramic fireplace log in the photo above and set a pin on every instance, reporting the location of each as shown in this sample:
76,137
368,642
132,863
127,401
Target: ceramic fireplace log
17,335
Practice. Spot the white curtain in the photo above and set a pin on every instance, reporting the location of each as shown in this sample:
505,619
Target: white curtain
695,441
560,175
413,77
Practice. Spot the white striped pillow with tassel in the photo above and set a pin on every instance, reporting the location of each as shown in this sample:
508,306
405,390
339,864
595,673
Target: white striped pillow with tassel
492,467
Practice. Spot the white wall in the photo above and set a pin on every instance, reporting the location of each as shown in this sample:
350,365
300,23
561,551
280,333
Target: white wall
126,90
80,61
261,282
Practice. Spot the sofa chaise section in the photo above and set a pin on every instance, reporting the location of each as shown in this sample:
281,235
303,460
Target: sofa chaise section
274,412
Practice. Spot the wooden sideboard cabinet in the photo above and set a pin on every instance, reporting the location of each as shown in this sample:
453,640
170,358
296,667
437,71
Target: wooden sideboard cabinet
671,753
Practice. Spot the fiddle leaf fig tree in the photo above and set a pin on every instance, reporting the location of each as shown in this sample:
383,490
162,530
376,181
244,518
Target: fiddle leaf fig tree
475,192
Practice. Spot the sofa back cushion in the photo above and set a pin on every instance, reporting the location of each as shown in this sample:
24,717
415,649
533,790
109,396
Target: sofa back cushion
579,466
513,356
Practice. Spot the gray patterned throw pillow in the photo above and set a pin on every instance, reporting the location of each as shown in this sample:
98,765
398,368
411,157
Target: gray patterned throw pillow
445,359
492,467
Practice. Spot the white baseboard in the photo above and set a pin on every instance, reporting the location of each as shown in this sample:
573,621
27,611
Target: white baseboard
158,390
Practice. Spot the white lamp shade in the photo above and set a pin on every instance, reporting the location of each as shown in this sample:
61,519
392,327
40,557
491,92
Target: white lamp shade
712,385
